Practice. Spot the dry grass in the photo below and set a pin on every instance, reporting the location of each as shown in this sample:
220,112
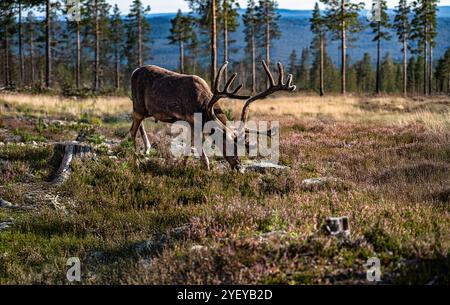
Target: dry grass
389,156
433,113
43,105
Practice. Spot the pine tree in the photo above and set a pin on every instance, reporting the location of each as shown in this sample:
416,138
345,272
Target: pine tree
30,33
48,42
96,27
7,30
138,30
380,25
364,74
117,37
330,73
266,11
213,34
432,33
303,73
342,19
388,71
206,20
411,77
423,29
419,74
180,34
403,28
292,68
20,38
74,13
443,73
193,53
251,24
228,18
318,44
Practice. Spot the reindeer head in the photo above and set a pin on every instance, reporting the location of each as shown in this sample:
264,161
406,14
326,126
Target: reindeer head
234,134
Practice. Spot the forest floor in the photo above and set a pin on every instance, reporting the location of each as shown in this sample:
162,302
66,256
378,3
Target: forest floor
153,220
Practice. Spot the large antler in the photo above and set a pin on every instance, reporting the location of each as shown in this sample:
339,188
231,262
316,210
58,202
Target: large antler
218,94
280,86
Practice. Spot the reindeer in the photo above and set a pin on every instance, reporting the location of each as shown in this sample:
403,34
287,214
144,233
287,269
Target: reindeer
169,97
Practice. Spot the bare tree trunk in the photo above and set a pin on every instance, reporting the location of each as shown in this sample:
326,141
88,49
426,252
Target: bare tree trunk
21,62
32,72
425,60
140,56
7,64
378,84
253,61
225,37
267,41
213,43
78,63
448,83
181,57
48,52
343,51
117,60
321,89
405,65
97,48
430,78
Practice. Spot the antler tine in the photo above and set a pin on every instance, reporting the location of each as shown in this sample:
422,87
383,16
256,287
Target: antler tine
289,83
229,82
226,92
280,74
269,74
238,88
280,86
219,76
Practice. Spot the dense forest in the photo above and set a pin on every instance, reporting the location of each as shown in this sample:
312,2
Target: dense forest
89,46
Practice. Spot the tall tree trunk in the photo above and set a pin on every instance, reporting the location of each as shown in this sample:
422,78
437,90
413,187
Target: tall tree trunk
343,51
253,61
225,37
430,77
78,63
117,55
32,72
7,63
448,82
405,65
378,82
48,52
21,62
425,59
181,57
97,48
213,43
140,55
267,41
322,50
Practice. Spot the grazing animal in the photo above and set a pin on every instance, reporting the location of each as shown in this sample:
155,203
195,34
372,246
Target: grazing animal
169,97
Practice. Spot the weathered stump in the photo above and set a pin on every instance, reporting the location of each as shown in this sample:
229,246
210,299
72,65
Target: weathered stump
66,151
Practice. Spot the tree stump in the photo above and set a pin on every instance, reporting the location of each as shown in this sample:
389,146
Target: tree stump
66,151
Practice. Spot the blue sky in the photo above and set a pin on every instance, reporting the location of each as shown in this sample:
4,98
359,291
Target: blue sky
167,6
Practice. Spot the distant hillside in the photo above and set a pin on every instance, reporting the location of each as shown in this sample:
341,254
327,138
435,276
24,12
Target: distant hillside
295,35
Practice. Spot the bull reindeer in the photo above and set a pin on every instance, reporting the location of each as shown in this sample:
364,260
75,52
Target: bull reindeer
169,97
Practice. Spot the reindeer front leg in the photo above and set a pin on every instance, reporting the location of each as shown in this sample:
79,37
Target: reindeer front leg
147,145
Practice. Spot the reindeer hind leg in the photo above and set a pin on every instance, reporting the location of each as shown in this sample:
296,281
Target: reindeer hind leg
137,120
